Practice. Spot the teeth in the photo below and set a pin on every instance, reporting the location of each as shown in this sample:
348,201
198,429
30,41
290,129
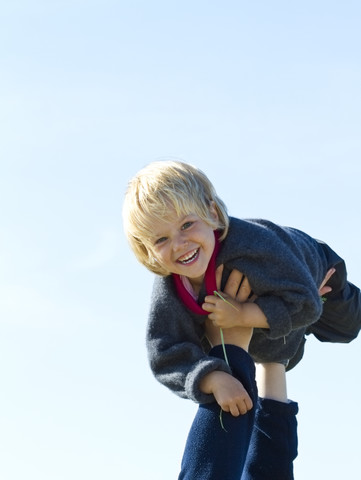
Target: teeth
189,257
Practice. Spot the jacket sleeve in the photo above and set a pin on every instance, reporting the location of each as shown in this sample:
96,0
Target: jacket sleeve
284,269
175,353
291,311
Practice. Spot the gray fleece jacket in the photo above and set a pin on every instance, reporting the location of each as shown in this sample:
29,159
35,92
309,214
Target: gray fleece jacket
284,267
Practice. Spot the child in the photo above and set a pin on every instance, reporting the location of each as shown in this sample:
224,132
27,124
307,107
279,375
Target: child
179,229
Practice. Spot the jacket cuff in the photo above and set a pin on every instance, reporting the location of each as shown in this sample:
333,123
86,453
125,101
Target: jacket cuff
202,368
277,316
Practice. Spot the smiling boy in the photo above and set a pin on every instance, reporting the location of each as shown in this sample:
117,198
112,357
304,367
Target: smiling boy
179,229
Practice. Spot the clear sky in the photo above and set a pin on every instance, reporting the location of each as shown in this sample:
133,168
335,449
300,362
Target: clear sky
265,98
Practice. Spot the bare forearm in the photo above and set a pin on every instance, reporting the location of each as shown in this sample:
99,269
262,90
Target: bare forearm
225,312
251,315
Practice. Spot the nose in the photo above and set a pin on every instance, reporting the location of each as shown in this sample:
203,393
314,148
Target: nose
180,242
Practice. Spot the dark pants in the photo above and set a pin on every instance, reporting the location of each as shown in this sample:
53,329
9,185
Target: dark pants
260,443
273,446
340,321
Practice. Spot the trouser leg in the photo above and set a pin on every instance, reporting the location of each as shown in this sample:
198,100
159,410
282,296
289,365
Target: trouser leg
340,321
212,453
273,445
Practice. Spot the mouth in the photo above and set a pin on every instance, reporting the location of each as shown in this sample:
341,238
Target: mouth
189,257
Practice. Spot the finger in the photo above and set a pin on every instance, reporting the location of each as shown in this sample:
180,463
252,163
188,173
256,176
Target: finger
248,402
327,277
242,407
235,411
219,273
233,283
245,291
324,290
208,307
212,317
210,299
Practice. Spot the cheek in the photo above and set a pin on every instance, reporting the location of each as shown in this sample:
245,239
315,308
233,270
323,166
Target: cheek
158,260
153,256
159,256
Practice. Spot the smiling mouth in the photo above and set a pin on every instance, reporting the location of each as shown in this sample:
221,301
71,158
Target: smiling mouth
189,257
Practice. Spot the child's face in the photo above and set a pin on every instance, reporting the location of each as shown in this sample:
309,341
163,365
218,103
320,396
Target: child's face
184,245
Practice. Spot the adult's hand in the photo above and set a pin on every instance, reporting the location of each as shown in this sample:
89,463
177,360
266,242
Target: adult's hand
237,286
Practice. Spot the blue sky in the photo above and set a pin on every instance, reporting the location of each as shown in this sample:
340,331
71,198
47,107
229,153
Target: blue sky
265,98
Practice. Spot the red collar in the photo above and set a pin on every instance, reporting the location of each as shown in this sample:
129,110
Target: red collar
209,281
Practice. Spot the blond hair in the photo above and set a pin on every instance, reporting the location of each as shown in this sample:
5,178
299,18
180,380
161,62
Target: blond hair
156,191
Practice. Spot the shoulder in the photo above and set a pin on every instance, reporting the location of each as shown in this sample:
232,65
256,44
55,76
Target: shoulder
163,292
262,231
250,234
165,303
252,225
169,321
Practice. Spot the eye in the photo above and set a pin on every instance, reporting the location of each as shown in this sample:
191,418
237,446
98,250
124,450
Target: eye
187,225
160,240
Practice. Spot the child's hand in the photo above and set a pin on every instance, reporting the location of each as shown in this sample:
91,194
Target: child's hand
237,290
229,392
236,308
223,313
